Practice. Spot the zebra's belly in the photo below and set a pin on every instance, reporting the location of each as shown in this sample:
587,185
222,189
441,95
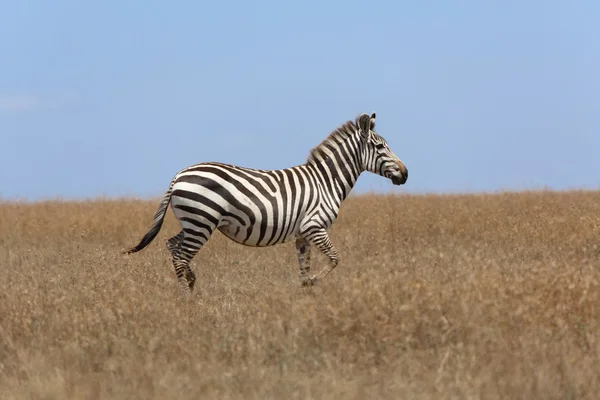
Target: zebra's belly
252,237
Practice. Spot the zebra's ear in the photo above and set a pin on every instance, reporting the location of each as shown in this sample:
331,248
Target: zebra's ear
364,124
373,121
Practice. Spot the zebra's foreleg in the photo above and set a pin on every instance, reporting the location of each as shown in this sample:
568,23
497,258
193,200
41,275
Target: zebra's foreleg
319,238
303,251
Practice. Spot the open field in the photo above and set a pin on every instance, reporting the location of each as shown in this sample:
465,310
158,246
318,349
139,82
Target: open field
436,297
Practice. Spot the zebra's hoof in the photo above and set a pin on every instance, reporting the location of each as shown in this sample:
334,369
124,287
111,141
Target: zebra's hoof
309,281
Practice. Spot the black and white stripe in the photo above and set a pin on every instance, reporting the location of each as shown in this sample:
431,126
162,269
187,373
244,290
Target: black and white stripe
267,207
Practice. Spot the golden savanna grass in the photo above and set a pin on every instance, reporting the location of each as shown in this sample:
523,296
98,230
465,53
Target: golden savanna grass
436,297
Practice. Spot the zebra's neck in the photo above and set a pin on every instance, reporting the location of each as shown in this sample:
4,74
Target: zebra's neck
337,161
337,173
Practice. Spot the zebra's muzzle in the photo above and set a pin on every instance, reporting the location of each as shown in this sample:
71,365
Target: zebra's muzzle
400,178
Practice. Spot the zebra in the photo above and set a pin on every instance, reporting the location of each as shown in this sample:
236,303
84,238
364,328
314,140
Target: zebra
257,207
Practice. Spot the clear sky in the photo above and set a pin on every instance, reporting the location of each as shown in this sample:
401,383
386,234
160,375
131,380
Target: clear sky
112,98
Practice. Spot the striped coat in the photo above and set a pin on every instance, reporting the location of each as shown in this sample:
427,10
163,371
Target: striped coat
268,207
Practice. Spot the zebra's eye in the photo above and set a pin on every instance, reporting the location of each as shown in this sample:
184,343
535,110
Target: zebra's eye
379,146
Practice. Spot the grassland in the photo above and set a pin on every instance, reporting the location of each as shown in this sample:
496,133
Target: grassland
436,297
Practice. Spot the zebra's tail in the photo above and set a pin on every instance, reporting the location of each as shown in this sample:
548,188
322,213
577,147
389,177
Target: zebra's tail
159,217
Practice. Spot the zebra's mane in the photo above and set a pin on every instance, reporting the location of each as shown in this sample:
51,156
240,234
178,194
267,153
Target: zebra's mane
339,135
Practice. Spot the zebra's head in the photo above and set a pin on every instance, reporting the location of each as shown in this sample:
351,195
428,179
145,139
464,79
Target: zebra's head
377,156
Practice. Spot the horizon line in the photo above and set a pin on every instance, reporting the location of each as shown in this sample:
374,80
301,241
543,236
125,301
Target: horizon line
353,194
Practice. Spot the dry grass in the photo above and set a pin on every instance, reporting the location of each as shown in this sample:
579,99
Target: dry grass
436,297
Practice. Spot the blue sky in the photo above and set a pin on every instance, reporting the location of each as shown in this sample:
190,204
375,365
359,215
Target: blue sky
113,98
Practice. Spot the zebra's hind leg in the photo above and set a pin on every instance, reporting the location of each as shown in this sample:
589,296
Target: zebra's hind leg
319,238
183,247
303,251
185,275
